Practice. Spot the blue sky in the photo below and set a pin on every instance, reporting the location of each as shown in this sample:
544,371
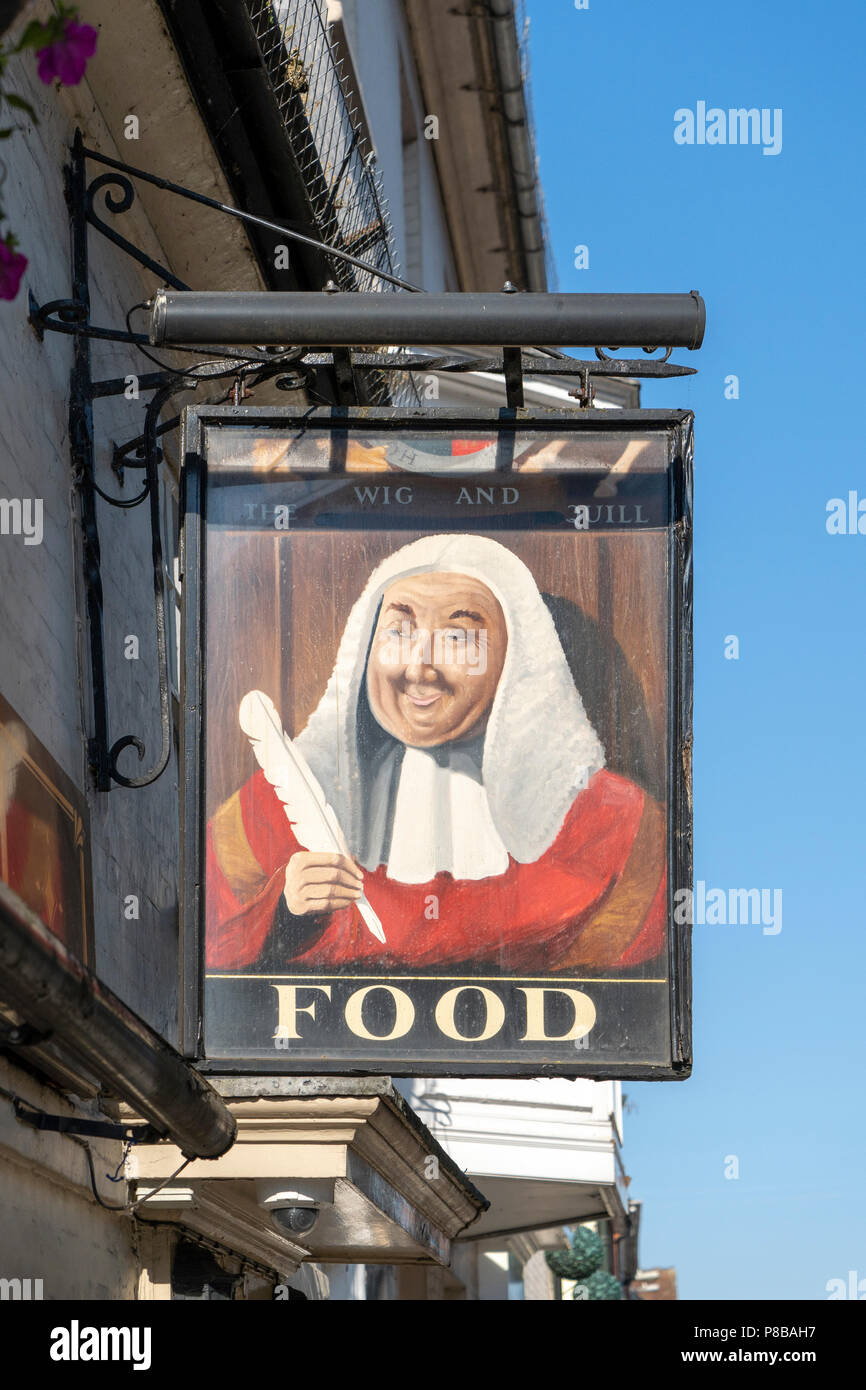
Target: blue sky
775,245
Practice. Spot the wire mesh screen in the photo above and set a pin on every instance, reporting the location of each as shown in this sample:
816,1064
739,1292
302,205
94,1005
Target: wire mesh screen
344,190
346,203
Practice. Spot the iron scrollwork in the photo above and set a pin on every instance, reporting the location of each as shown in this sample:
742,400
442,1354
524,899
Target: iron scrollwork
72,316
103,184
151,491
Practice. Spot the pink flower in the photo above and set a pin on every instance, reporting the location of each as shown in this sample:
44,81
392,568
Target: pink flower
12,267
67,58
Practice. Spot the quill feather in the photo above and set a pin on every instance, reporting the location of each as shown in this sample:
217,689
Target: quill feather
313,821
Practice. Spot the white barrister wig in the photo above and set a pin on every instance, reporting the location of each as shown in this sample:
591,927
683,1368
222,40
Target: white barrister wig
540,749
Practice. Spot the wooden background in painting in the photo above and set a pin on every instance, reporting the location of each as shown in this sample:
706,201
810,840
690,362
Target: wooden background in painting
608,594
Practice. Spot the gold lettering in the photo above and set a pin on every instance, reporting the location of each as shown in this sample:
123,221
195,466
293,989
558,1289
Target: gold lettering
288,1008
584,1014
494,1019
402,1023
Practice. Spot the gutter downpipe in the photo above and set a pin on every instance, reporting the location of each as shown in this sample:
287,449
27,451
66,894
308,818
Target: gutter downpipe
520,144
51,990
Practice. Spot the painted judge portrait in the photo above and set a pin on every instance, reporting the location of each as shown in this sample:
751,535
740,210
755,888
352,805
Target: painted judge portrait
447,804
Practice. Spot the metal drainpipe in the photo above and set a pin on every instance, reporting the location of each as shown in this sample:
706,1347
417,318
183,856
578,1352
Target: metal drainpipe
51,990
519,136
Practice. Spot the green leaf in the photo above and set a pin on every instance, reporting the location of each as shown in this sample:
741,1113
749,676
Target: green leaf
34,36
21,105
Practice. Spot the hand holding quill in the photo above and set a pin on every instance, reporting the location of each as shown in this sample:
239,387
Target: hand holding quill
313,822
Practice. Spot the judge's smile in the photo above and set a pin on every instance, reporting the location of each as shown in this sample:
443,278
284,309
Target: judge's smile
422,701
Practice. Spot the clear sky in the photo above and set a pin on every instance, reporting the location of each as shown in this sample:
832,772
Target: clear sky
775,243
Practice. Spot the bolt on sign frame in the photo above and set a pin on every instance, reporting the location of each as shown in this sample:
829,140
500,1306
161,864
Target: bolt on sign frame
436,736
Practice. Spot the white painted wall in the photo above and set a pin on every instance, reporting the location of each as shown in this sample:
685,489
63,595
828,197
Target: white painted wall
379,43
55,1234
50,1226
550,1130
44,671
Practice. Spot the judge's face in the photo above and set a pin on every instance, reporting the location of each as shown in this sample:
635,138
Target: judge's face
436,658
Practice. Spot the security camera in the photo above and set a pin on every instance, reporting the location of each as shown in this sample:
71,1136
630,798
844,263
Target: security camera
297,1220
295,1204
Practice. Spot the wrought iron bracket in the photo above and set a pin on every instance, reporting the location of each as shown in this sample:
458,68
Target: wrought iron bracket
92,1129
72,317
511,363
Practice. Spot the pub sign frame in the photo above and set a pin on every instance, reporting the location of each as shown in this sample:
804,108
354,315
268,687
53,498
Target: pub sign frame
287,517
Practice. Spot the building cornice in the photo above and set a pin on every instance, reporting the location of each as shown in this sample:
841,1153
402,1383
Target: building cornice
171,137
228,1217
397,1194
466,60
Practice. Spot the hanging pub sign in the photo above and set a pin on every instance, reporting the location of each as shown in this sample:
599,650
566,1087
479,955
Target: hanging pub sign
437,726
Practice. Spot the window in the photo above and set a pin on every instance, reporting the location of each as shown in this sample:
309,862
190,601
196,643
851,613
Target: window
196,1275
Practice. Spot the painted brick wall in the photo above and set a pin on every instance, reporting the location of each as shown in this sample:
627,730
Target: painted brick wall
44,669
55,1234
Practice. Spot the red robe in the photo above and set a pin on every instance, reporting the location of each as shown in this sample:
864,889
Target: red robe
595,899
